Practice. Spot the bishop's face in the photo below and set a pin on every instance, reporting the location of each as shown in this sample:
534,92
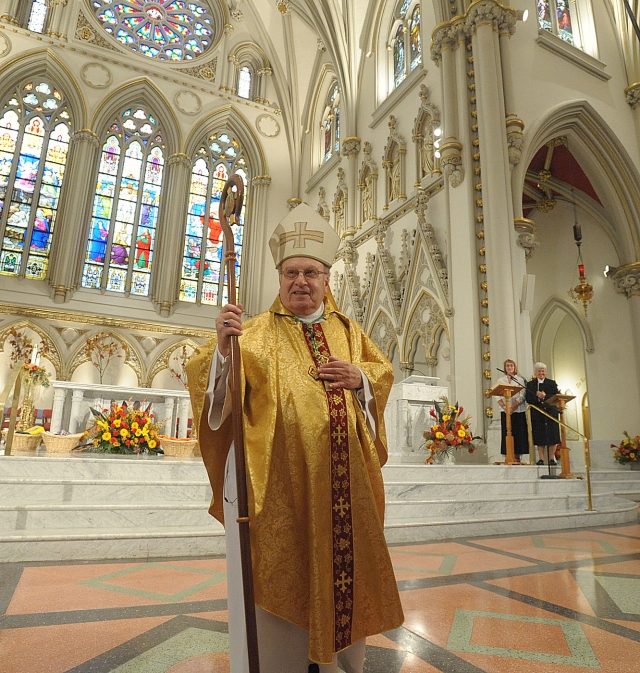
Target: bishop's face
300,291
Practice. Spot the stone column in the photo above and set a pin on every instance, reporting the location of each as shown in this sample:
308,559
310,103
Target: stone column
11,11
57,413
56,19
184,410
499,235
626,280
351,149
167,262
632,96
74,214
256,237
514,125
261,85
169,425
77,399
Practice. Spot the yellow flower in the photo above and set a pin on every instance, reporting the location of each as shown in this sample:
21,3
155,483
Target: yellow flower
632,456
103,424
138,433
117,422
96,442
134,426
124,432
152,443
439,435
106,436
446,418
461,433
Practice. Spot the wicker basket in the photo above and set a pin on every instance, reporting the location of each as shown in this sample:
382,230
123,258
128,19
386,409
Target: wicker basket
24,442
177,447
60,443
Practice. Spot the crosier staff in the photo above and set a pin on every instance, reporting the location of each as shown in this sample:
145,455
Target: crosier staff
229,213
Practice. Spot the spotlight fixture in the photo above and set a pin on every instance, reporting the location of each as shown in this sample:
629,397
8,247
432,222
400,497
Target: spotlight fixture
522,14
609,271
437,131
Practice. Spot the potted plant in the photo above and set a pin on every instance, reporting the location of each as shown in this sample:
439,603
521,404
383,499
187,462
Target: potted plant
627,451
450,432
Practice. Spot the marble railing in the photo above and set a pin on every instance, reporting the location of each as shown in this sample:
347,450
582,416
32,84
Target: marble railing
71,402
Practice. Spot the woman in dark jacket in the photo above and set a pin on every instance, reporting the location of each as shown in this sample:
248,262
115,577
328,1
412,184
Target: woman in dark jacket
546,433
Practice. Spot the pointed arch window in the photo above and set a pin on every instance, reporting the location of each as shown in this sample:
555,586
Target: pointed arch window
557,17
331,124
244,82
405,44
122,233
204,279
35,129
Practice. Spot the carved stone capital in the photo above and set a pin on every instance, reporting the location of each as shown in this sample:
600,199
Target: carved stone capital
228,29
451,163
179,159
261,181
632,95
293,202
351,147
526,235
444,37
626,279
488,11
233,59
515,127
86,136
236,14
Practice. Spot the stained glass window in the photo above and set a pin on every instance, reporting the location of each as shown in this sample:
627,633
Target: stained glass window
203,279
169,30
415,47
399,70
555,16
331,123
244,82
37,16
124,218
34,141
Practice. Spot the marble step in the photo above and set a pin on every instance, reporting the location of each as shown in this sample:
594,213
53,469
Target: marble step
88,543
106,515
39,490
621,473
458,473
98,466
481,505
406,490
445,528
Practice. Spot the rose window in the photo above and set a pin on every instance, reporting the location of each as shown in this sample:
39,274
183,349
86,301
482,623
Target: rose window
169,30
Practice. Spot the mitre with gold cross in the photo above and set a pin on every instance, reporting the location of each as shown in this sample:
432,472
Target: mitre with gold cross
304,233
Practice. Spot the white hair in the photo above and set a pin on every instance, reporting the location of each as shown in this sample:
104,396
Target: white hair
539,365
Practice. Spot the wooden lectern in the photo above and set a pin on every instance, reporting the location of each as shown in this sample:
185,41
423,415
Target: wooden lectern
507,391
560,401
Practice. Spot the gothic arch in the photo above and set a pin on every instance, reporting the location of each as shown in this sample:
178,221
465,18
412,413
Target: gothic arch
545,313
54,357
426,320
141,92
603,158
314,111
160,362
231,120
132,358
45,64
383,333
252,56
393,163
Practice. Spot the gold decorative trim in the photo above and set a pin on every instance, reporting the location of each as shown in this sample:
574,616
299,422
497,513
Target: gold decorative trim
90,319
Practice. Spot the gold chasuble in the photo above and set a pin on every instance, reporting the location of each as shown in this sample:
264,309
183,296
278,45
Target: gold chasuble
316,494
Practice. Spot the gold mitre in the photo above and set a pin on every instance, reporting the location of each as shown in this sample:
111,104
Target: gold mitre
304,233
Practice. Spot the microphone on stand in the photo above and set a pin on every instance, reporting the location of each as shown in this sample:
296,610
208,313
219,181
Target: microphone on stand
511,376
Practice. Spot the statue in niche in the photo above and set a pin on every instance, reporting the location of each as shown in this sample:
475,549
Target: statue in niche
339,211
367,200
395,177
427,152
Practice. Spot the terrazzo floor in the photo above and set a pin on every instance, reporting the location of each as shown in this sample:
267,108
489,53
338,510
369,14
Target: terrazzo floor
563,602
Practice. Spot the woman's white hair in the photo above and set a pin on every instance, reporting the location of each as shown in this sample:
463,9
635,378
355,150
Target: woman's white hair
539,365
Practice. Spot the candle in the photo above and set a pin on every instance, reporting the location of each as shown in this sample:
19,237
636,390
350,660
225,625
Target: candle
34,354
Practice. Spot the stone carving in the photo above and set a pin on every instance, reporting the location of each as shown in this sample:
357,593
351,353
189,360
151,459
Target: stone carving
268,126
323,206
452,168
429,237
85,136
526,235
424,130
383,333
388,266
206,71
626,279
96,75
87,33
427,319
261,181
188,102
514,140
632,95
179,159
351,147
349,256
5,45
367,184
340,204
393,163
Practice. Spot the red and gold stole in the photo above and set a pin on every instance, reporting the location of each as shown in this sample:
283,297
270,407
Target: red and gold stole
342,525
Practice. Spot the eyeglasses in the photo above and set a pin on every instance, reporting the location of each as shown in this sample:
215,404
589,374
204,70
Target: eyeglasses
309,274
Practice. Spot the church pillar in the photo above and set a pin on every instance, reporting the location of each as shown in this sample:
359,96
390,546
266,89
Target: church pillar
70,238
169,247
626,280
502,317
257,241
57,18
351,149
10,13
464,322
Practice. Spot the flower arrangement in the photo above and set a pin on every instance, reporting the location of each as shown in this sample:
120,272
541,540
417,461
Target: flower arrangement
450,432
122,429
101,349
37,376
628,449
